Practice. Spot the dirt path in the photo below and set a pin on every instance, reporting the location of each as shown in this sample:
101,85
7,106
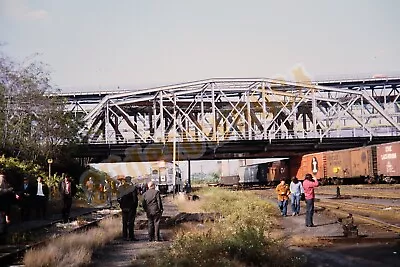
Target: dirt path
128,253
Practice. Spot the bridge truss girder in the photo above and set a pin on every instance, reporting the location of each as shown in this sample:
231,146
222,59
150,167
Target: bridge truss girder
243,109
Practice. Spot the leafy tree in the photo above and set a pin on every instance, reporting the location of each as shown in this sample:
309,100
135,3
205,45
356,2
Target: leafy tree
33,123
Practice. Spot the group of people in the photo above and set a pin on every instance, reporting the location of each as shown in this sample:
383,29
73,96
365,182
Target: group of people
296,191
29,197
151,203
104,190
33,196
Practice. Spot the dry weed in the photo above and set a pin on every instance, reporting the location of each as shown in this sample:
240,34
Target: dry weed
74,249
306,241
185,205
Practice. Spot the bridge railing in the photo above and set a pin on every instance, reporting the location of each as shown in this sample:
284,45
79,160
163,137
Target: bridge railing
268,135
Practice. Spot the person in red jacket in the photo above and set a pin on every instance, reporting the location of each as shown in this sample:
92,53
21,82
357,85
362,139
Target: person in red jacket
67,190
308,185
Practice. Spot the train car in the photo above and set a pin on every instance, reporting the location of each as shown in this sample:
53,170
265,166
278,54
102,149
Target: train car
387,158
231,180
351,166
278,170
253,174
314,163
268,172
162,174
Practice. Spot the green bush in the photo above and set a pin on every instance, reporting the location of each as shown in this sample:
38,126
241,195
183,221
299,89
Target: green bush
15,170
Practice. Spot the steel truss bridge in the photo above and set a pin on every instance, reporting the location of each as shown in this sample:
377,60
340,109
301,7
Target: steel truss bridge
238,116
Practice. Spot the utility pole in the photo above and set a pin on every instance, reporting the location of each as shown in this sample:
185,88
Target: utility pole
174,150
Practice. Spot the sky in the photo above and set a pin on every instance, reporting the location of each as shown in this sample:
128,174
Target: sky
127,44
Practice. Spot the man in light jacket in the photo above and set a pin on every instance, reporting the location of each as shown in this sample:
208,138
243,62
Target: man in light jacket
296,189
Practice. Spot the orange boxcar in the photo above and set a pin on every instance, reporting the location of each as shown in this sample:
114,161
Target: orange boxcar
314,164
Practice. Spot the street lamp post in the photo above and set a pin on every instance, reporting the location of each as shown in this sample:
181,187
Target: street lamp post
50,161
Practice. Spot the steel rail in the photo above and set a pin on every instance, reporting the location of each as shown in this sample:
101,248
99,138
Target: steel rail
333,208
13,253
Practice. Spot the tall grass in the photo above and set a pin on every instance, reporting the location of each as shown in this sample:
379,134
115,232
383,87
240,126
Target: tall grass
74,249
239,237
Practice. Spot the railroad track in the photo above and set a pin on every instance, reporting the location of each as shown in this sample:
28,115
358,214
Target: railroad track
343,210
368,206
366,196
11,254
361,211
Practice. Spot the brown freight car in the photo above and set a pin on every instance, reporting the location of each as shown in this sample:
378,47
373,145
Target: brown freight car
363,164
314,163
338,166
278,170
230,180
388,156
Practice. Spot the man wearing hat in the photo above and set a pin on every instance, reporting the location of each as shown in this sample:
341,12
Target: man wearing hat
128,201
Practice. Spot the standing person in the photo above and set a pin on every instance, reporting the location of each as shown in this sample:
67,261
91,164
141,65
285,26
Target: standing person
309,184
90,190
67,190
6,198
101,191
41,193
296,189
128,201
26,193
108,192
152,204
283,196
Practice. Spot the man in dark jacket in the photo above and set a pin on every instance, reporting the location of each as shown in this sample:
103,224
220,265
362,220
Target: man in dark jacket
26,193
41,192
67,190
128,201
153,206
